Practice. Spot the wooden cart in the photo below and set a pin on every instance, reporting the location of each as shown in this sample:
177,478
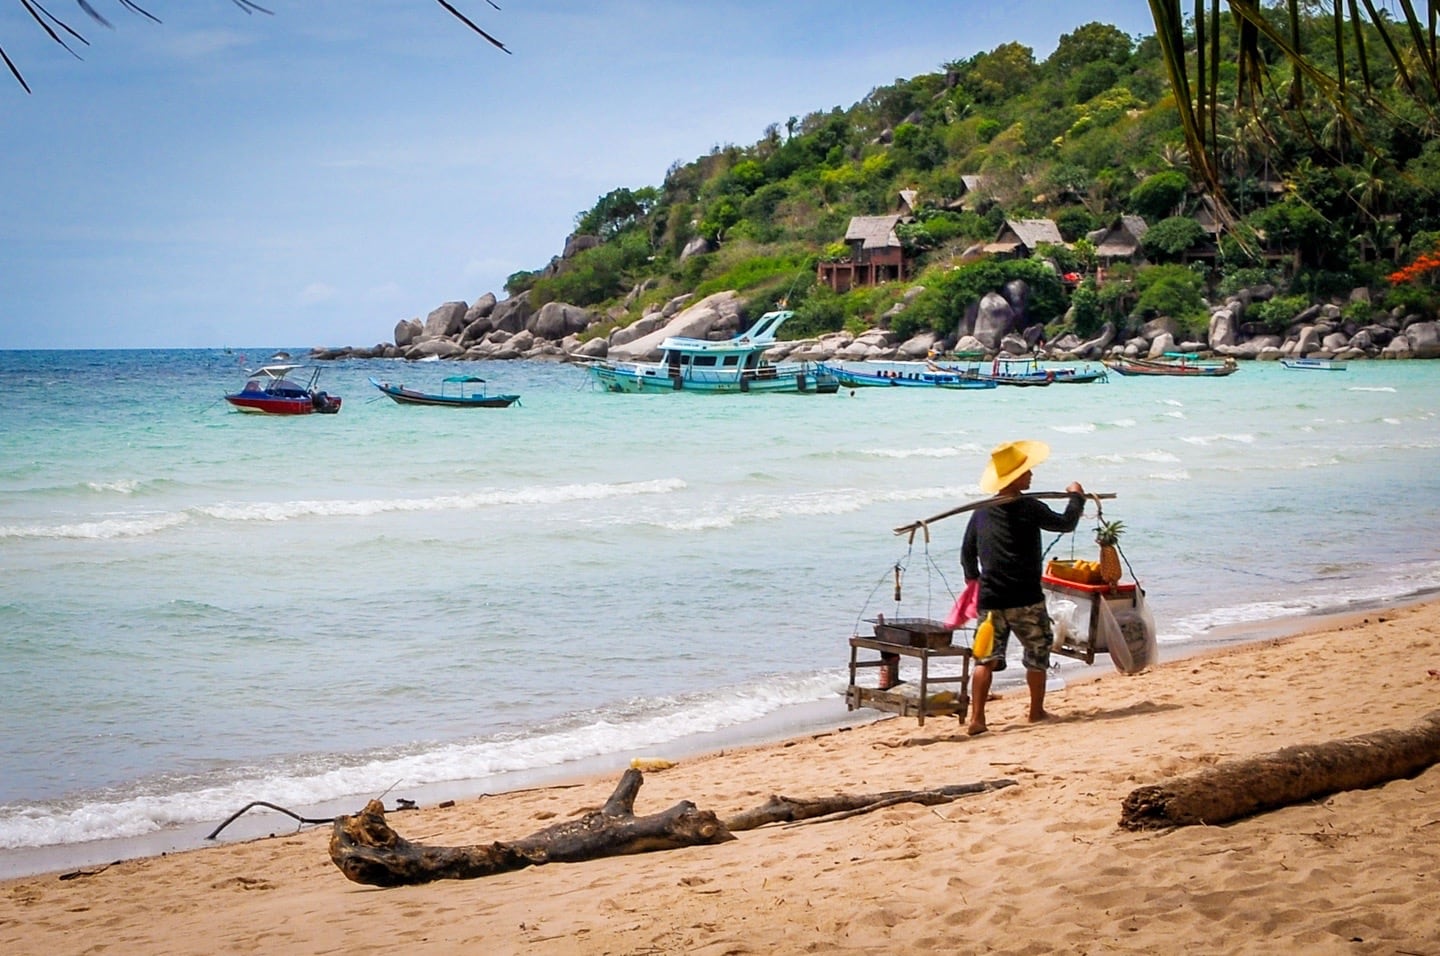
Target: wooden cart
921,643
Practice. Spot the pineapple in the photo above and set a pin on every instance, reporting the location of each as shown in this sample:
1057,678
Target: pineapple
1107,536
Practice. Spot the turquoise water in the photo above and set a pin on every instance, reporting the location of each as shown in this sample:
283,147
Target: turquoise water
202,608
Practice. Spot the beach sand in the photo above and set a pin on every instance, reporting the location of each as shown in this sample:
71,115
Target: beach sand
1040,867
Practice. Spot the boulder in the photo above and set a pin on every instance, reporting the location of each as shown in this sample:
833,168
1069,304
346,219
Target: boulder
475,331
1095,347
480,308
513,314
577,244
697,321
994,319
1308,341
555,320
407,331
860,351
1017,293
1160,344
673,307
596,348
1015,344
695,247
918,347
1399,348
1161,325
1222,328
1424,338
439,348
1334,342
445,321
640,327
969,343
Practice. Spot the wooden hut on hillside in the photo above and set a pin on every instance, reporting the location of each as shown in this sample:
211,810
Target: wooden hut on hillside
1019,238
875,256
976,194
1121,241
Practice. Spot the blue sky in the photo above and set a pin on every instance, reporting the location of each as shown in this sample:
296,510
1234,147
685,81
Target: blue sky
313,177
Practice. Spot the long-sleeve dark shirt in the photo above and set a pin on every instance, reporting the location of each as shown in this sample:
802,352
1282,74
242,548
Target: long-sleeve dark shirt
1002,549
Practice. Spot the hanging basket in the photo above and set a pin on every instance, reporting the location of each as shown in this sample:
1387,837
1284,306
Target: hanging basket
913,632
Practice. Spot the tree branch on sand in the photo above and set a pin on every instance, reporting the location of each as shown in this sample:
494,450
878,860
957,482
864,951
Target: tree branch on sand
1240,788
368,851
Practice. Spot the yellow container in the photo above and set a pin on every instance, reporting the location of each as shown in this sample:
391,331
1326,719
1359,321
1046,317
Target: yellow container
984,641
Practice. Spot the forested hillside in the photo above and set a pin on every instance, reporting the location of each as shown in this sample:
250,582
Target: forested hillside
1310,203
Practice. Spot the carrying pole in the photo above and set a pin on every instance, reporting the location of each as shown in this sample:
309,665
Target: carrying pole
998,499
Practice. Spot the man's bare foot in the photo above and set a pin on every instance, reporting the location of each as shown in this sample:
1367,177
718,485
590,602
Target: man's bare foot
1036,718
975,730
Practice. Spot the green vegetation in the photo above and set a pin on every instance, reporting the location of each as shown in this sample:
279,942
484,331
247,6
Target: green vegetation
1080,138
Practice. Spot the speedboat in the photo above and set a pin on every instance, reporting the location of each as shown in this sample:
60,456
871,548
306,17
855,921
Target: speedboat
731,365
270,391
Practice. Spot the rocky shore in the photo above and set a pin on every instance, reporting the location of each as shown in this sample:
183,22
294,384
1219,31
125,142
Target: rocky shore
997,325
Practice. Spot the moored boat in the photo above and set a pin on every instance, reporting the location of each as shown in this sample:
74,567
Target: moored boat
1314,364
270,391
462,395
1023,371
905,375
731,365
1176,364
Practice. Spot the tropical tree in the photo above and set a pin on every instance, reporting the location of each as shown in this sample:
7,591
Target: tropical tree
64,34
1361,38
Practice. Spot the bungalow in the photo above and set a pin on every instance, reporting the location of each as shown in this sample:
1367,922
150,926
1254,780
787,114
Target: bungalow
1018,238
976,194
1121,242
875,255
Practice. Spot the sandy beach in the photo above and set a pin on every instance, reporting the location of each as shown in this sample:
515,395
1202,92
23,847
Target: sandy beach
1038,867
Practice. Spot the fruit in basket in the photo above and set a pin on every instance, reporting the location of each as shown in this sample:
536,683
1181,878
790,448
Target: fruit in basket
1077,571
1107,536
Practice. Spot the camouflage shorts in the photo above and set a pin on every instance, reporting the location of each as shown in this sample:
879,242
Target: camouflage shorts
1031,626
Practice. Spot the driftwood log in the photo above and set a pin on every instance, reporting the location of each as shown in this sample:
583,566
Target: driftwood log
780,809
1240,788
368,851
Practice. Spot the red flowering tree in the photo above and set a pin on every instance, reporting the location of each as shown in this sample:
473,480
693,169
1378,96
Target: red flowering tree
1426,263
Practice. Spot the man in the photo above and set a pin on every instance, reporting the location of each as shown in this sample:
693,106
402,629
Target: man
1002,549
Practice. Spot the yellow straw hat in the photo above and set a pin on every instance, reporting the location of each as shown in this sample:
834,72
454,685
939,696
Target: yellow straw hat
1011,460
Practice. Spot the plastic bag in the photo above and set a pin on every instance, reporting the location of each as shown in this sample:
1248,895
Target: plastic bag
1130,635
967,607
1064,623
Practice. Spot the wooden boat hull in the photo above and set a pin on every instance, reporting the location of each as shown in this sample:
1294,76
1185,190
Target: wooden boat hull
409,396
1173,370
648,377
850,378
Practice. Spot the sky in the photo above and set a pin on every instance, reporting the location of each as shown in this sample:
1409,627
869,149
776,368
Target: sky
312,177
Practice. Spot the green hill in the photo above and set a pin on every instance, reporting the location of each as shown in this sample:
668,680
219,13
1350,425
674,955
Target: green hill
1081,138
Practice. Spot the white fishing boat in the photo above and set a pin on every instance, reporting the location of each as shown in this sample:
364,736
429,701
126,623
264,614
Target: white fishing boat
731,365
1314,364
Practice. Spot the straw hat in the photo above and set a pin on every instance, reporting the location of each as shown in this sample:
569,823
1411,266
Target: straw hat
1011,460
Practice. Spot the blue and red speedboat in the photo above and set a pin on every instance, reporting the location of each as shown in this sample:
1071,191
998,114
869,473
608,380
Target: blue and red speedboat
271,391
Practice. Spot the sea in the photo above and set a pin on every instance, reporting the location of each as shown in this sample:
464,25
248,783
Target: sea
202,609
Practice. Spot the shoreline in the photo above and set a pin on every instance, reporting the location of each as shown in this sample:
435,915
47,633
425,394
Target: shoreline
787,724
1040,866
